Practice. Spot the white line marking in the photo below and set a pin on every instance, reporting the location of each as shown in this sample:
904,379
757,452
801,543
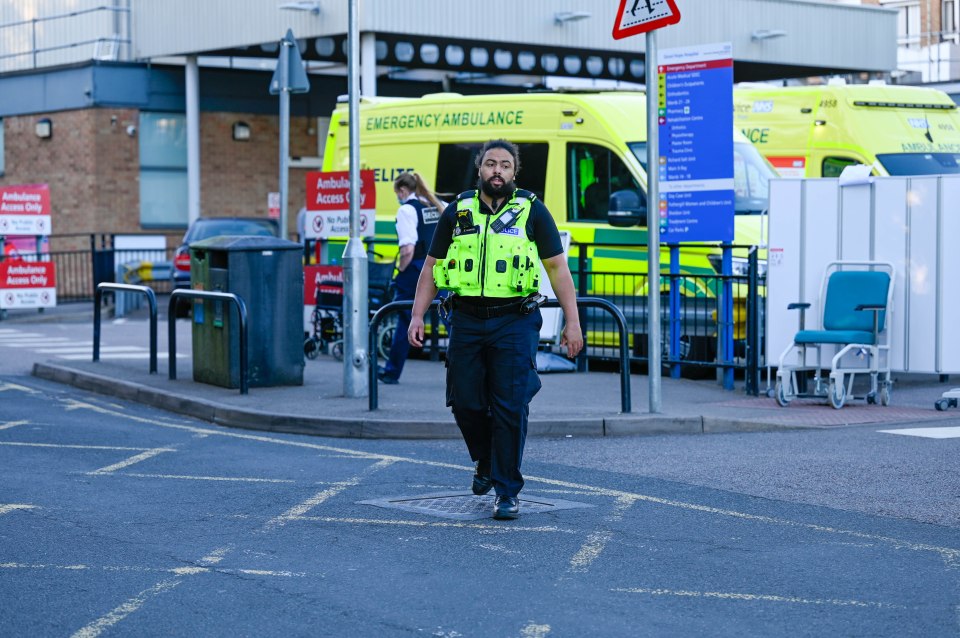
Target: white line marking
12,424
239,479
7,387
297,511
929,433
761,597
143,456
153,570
462,525
12,507
89,350
949,554
215,556
81,447
534,630
597,540
97,627
119,355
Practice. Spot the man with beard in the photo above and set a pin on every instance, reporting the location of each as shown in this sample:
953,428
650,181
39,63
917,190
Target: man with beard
486,250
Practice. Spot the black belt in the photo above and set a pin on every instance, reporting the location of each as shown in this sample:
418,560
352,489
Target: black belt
486,312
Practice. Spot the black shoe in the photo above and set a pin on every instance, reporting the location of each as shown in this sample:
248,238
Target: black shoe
385,378
482,483
506,508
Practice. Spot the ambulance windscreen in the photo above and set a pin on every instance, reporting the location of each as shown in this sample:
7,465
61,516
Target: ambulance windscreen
920,163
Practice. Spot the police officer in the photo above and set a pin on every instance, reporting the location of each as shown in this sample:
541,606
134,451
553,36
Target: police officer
486,250
416,221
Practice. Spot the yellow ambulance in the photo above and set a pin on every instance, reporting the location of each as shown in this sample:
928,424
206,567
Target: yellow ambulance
577,148
816,131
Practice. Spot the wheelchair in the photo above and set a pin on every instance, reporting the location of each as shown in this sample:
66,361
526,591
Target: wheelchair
856,299
326,319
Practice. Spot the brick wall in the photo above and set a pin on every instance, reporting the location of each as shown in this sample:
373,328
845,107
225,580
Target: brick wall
92,166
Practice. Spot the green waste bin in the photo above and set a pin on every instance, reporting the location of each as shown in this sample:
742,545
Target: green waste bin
267,273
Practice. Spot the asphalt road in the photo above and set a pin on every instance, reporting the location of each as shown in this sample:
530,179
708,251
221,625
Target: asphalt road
118,519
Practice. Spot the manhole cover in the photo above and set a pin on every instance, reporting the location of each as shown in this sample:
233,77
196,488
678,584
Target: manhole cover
464,506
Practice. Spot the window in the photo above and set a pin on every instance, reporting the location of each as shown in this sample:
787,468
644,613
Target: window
908,22
457,172
1,147
833,166
594,173
163,170
948,20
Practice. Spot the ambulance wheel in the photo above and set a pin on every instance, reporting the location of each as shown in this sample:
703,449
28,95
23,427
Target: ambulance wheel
885,395
942,404
838,394
780,392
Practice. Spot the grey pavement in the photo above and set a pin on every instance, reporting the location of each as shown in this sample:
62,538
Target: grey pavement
577,404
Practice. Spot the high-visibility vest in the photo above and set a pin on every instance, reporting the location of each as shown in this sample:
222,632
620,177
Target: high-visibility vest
484,262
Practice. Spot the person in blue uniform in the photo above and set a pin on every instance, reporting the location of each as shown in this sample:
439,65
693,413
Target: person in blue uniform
416,222
487,250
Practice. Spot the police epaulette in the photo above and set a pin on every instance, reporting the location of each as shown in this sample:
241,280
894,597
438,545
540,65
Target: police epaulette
466,195
520,192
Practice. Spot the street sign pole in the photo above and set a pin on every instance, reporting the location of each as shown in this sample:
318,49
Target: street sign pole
284,69
653,224
355,303
635,17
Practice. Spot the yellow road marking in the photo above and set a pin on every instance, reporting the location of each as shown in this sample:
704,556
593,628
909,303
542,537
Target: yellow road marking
100,625
186,477
81,447
298,511
949,554
760,597
597,540
11,507
12,424
143,456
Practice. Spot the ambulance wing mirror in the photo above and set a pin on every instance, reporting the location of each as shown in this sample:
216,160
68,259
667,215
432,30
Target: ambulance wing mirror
627,208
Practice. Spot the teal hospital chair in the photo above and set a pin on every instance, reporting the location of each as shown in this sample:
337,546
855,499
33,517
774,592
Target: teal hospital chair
856,298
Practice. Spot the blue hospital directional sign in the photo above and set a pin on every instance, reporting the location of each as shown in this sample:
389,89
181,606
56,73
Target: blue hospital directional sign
696,143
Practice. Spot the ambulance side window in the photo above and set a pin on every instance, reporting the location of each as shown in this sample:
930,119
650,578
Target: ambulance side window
456,171
833,166
593,173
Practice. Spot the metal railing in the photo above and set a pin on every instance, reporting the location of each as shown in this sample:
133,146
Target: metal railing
151,300
235,301
104,47
583,302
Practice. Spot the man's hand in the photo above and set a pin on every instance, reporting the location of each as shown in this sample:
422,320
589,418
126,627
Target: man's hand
415,331
572,339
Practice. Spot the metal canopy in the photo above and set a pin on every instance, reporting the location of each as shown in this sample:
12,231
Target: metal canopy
536,38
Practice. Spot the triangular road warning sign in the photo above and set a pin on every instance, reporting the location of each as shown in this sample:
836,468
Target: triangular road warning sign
640,16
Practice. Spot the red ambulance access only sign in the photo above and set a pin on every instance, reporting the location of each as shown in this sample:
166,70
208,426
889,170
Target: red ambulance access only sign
25,210
27,284
640,16
328,204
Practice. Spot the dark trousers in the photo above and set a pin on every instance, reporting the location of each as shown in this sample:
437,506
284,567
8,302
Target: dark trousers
406,288
491,378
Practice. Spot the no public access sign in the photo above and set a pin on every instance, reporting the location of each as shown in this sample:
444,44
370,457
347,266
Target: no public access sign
640,16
